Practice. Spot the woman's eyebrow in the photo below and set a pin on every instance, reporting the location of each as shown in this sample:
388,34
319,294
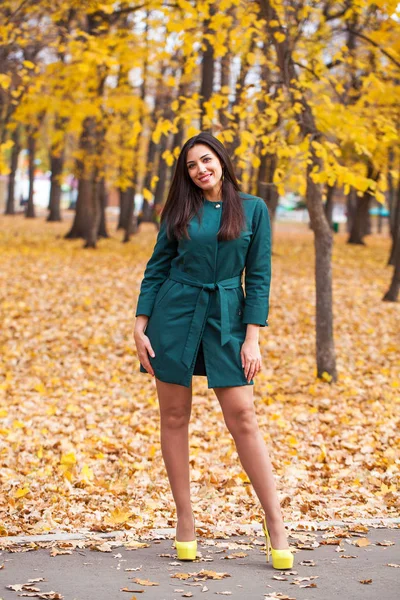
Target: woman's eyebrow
200,157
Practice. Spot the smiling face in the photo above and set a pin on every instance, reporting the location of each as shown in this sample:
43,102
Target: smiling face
205,169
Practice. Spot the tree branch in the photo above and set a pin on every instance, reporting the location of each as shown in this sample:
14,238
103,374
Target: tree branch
376,45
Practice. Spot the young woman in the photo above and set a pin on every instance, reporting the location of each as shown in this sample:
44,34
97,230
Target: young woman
193,318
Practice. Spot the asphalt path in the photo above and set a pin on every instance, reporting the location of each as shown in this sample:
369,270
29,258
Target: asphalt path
347,566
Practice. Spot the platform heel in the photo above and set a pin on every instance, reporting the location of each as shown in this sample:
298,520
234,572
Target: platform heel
186,550
281,559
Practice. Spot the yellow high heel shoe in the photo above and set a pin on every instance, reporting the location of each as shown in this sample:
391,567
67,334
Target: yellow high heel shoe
281,559
186,550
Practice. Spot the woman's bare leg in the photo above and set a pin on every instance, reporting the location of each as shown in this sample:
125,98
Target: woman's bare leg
240,418
175,404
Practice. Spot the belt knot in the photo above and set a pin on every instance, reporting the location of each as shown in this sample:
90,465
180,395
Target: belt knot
210,287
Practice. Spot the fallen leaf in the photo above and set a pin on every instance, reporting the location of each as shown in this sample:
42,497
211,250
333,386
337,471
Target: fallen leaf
279,595
136,545
308,563
236,555
144,582
362,542
385,543
56,551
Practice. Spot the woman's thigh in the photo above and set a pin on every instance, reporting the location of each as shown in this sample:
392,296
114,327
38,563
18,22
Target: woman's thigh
174,400
237,404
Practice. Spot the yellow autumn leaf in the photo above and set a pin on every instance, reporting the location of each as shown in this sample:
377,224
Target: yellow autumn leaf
87,473
21,492
68,459
118,516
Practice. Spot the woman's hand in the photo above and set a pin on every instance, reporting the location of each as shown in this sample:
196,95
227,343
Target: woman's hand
143,344
250,355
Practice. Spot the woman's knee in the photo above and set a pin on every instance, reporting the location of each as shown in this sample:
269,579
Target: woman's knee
175,418
242,421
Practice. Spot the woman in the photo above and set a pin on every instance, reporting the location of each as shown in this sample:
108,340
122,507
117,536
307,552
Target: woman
192,318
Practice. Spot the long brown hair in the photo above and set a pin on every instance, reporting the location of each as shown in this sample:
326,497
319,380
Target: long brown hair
185,197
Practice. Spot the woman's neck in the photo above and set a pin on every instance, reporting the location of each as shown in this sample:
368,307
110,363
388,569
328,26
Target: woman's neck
214,195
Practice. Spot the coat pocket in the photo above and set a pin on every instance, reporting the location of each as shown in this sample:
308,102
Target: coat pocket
240,301
236,307
163,291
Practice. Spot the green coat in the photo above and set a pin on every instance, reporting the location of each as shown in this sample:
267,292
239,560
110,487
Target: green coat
192,292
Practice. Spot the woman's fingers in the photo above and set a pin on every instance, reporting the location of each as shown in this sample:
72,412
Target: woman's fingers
149,347
251,367
144,349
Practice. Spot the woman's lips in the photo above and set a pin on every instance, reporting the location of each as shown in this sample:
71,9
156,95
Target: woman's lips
203,179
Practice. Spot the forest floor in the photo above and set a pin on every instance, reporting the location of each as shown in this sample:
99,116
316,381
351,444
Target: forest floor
79,424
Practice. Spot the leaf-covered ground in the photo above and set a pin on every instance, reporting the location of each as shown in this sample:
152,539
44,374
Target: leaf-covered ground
79,424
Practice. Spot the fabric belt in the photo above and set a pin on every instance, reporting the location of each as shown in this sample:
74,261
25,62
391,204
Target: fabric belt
200,311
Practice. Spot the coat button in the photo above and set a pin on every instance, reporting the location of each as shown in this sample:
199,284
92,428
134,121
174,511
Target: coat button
239,312
217,205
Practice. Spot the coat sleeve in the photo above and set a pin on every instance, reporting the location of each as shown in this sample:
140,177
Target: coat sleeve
258,269
156,272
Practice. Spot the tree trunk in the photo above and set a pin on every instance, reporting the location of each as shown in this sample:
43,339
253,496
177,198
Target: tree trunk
130,225
10,206
225,83
207,73
323,242
84,202
351,209
161,184
380,220
90,201
30,208
330,191
57,164
129,229
123,209
323,236
94,207
393,292
103,201
266,188
165,172
80,223
235,124
360,223
151,155
395,229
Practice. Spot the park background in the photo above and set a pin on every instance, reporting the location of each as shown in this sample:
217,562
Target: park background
96,100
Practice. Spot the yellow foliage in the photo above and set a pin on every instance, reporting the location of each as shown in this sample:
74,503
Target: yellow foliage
147,195
279,36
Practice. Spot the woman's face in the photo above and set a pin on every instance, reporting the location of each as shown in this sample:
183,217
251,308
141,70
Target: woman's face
204,167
